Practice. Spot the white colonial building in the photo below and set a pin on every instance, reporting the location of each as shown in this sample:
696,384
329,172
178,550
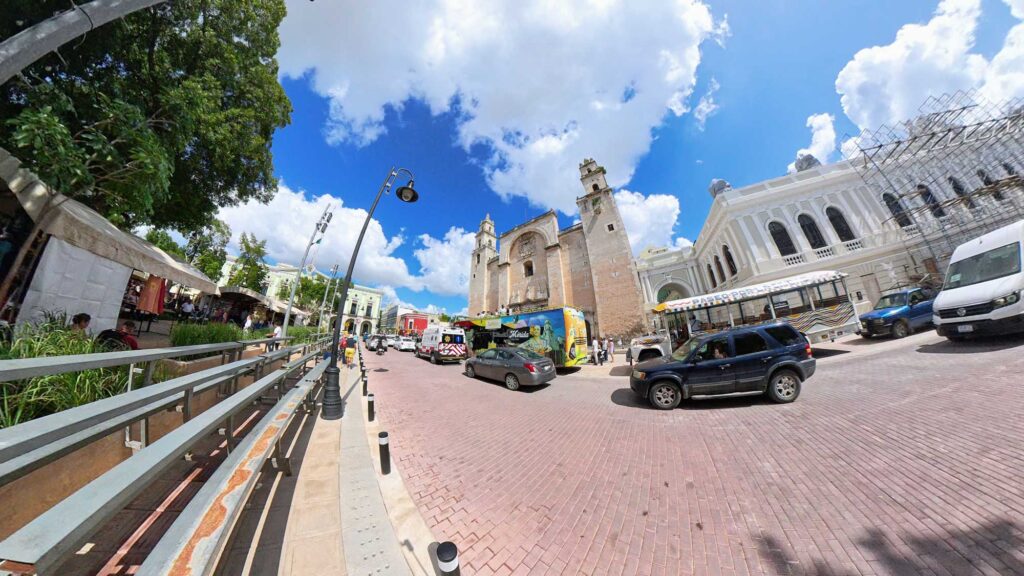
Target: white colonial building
830,218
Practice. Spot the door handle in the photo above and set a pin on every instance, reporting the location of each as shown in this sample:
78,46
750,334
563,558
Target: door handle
724,366
766,359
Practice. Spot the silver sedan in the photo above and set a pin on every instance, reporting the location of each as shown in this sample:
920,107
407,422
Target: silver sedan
514,366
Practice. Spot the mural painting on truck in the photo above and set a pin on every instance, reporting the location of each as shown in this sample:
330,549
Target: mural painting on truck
559,334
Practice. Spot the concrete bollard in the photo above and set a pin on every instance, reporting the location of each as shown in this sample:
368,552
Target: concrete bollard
448,558
385,453
369,408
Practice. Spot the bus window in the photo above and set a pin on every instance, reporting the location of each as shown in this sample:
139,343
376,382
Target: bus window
790,303
719,318
756,310
824,295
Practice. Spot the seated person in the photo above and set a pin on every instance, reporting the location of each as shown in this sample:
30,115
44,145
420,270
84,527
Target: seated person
127,329
120,339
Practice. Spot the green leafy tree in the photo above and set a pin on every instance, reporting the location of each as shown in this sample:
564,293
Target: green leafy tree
206,248
162,240
308,296
158,118
250,270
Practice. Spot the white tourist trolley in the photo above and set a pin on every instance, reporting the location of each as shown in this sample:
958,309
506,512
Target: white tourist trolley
815,303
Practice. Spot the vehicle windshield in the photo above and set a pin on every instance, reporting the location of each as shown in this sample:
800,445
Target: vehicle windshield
891,301
686,348
995,263
529,354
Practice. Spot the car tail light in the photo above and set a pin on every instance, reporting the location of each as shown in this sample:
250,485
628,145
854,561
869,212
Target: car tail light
807,349
530,367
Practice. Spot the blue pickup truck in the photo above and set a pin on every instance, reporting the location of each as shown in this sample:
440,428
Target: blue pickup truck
898,314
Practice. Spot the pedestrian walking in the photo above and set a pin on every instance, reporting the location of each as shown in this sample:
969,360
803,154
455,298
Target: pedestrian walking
350,352
597,352
610,345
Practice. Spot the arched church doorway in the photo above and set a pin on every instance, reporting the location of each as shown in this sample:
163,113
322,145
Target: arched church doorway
365,329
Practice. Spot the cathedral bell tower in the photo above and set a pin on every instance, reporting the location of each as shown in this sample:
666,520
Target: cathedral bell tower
613,271
479,280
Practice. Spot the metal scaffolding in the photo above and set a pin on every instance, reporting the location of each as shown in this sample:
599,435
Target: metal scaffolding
948,175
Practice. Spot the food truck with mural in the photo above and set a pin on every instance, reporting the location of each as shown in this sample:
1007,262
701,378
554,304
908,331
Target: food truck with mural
557,333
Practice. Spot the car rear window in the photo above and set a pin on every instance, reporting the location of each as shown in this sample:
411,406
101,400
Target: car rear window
786,335
749,343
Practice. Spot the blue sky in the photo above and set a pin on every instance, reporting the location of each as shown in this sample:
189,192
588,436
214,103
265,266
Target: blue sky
359,107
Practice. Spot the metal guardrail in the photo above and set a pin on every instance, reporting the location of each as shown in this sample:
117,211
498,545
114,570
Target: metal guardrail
197,539
47,365
41,545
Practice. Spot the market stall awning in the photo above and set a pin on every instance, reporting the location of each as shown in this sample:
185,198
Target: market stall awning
269,303
83,227
749,292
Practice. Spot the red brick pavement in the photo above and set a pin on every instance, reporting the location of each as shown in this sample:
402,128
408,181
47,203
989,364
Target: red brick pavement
902,462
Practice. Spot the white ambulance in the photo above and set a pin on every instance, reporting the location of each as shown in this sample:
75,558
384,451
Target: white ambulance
442,345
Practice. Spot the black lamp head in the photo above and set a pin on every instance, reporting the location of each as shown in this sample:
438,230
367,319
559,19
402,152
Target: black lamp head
407,193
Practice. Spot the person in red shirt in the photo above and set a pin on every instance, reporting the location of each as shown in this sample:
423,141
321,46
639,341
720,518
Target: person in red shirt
127,329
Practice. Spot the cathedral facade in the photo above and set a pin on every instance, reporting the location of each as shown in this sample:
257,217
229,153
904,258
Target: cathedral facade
588,266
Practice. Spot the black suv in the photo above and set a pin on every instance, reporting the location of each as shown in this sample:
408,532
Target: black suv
772,359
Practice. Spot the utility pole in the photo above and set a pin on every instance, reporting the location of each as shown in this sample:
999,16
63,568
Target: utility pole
31,44
321,227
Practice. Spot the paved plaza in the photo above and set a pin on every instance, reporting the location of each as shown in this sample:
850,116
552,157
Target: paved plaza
899,457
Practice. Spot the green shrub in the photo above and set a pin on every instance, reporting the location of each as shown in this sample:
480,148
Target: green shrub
23,400
301,334
187,334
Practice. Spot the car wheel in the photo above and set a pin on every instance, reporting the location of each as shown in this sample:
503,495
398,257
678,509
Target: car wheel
900,329
665,395
433,358
784,386
511,382
470,371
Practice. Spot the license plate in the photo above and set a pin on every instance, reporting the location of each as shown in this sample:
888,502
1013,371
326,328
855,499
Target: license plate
965,328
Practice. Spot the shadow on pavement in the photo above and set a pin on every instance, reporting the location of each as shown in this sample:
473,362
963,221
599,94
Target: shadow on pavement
959,552
379,370
628,398
713,403
826,352
567,370
973,345
620,371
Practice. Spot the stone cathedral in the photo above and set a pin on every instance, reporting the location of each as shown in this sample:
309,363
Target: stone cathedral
588,266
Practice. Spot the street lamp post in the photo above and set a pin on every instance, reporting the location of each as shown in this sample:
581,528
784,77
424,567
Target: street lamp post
332,406
321,227
327,289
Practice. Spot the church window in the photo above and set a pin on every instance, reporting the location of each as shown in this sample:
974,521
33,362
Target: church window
961,192
595,187
729,261
611,227
528,268
811,231
718,265
477,258
896,209
711,275
988,181
930,201
839,224
781,238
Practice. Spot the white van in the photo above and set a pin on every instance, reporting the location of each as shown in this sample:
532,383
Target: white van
982,291
442,344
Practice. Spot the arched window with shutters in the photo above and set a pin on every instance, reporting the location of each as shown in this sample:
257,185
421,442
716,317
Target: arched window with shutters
987,180
896,209
729,261
811,231
930,201
961,192
781,238
711,275
1010,171
718,265
839,224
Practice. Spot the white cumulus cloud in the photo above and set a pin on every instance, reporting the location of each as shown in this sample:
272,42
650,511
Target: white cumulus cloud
540,84
823,139
650,220
707,106
287,221
886,84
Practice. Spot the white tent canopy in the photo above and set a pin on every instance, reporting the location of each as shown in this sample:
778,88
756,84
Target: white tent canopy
80,226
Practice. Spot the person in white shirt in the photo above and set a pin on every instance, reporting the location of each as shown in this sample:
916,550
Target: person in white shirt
609,344
248,322
597,352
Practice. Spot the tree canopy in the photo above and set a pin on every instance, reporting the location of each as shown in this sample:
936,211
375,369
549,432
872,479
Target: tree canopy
159,118
250,269
162,240
206,248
